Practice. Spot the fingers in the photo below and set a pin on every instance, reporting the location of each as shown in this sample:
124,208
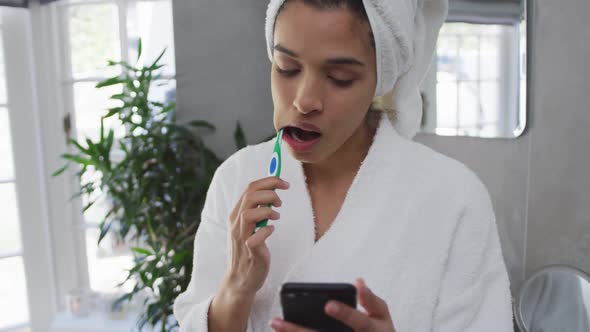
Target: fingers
357,320
268,183
249,218
280,325
260,192
373,304
254,199
257,240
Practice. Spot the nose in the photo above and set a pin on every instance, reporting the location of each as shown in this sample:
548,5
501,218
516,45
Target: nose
309,95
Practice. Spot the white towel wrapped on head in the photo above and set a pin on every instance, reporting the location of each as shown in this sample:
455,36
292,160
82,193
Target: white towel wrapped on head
405,34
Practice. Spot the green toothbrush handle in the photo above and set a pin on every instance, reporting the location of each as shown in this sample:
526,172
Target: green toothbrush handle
274,169
262,223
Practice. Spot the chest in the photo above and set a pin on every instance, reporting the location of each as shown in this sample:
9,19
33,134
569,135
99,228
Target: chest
326,203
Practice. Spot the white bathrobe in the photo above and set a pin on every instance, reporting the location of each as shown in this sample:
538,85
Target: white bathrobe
417,225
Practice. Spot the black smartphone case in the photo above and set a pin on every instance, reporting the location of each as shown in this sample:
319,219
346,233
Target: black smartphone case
303,304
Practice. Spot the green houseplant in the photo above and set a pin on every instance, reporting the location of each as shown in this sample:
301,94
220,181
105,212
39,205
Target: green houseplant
156,178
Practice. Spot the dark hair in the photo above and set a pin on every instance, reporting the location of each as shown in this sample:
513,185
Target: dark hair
358,9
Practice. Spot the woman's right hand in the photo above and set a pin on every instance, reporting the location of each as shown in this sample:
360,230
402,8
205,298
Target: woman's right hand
250,257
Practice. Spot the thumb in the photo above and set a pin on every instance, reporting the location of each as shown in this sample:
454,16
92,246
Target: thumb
373,304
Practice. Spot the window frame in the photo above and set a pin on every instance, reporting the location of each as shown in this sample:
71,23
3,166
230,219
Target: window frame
28,178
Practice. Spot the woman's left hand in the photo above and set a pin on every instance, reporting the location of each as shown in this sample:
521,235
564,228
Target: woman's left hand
377,318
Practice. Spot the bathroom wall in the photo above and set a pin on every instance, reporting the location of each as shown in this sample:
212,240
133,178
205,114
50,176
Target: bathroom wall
539,183
559,203
223,70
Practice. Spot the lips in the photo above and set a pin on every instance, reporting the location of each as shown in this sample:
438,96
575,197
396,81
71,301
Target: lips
302,136
305,126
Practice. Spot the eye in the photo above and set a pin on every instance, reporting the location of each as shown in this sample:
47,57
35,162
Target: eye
287,73
342,83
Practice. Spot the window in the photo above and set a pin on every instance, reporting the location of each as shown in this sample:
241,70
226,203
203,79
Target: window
13,290
475,81
91,33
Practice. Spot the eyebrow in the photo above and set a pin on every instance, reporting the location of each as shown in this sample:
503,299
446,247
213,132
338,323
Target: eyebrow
333,61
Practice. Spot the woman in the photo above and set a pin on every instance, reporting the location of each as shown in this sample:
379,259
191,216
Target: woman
359,201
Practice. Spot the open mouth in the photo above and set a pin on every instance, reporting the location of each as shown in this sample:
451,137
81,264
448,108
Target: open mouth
301,135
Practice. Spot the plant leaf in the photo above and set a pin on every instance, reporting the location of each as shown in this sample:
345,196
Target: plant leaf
110,81
142,251
61,170
139,49
88,206
111,63
155,63
157,67
101,130
110,138
78,159
78,145
127,297
239,137
179,257
103,230
120,96
113,111
201,124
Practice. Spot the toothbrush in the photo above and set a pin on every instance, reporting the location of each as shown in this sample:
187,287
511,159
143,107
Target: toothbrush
274,168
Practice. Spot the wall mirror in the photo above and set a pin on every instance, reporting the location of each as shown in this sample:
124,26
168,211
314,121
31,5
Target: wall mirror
556,298
477,85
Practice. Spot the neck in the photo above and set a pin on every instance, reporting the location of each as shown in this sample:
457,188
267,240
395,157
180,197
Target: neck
343,164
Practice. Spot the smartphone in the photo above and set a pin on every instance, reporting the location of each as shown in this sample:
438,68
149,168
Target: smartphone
303,304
